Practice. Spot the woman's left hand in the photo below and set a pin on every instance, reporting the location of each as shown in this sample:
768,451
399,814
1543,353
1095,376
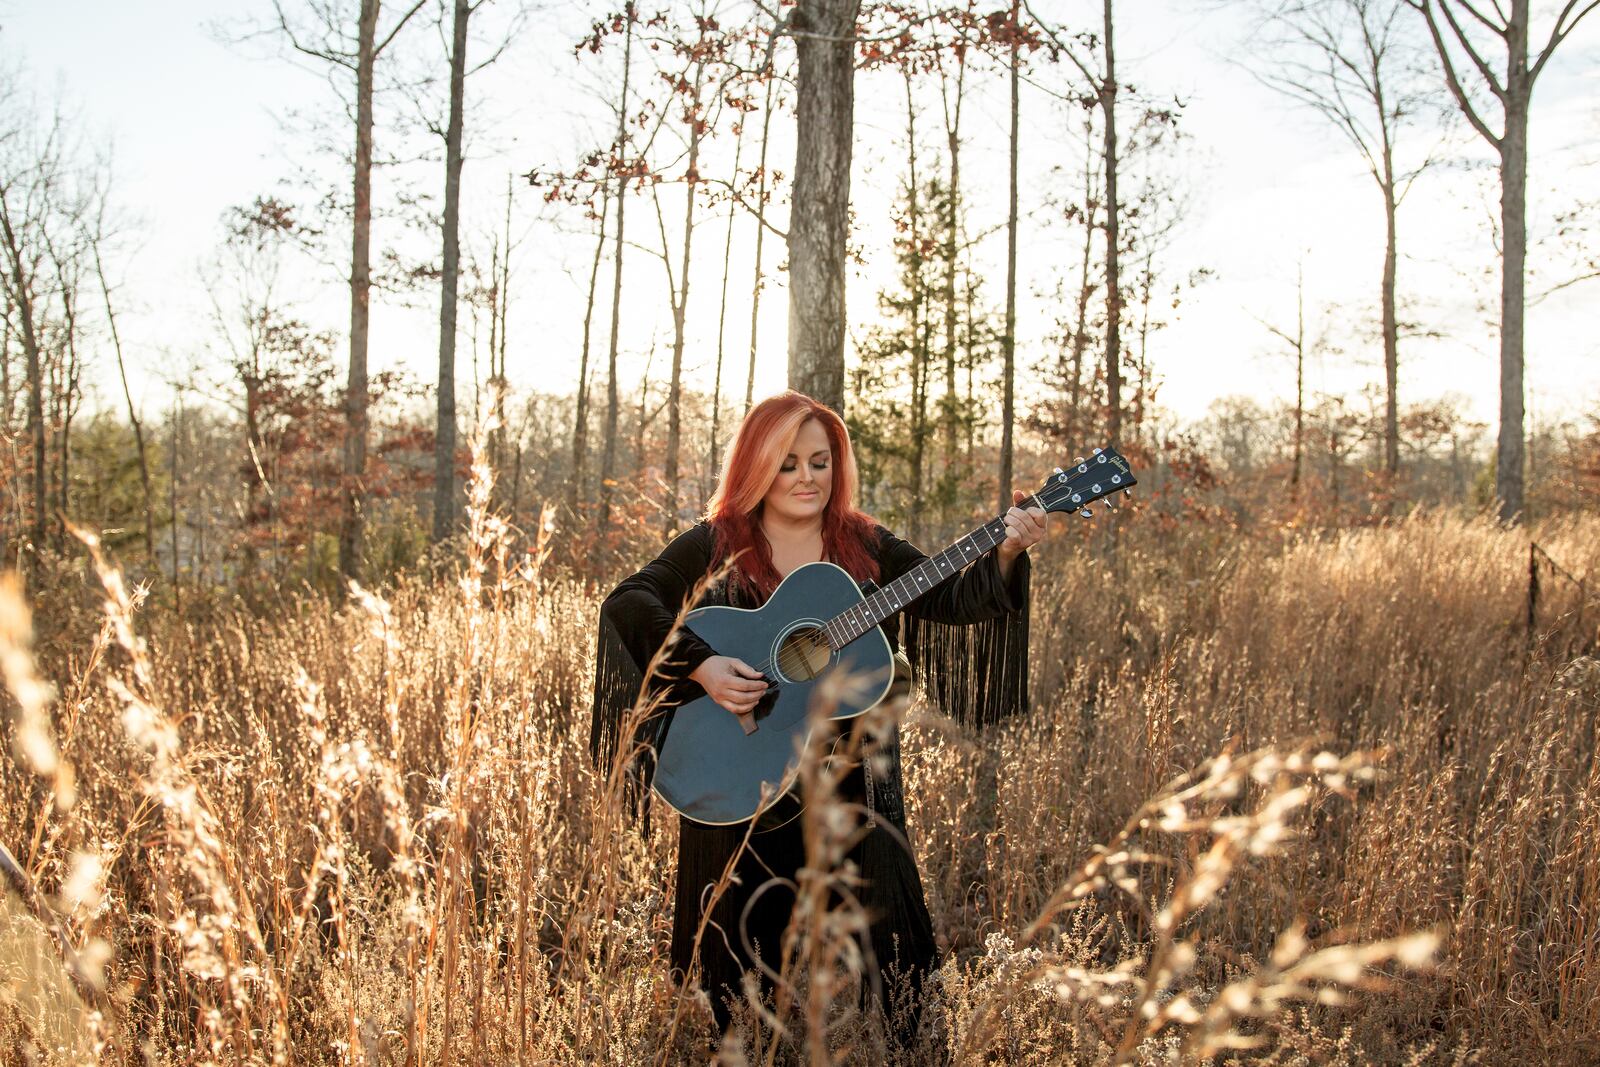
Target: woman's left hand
1024,527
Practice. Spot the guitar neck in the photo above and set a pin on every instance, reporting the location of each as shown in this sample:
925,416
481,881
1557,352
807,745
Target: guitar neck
885,602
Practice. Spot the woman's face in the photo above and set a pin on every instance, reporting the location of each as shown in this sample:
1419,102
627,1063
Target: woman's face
805,478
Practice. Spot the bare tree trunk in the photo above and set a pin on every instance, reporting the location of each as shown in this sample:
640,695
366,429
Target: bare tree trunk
1299,383
133,415
496,438
919,326
503,289
722,311
972,360
255,475
761,233
680,308
65,395
22,296
444,440
1141,395
609,448
504,279
1009,347
952,126
580,429
172,501
1108,105
1334,465
6,394
820,212
500,297
645,417
1514,251
355,441
1391,338
516,481
1080,333
64,456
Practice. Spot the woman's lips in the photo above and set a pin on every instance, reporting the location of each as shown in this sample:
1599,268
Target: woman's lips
806,494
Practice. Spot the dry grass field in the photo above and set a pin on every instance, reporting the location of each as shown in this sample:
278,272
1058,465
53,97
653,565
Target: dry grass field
1283,798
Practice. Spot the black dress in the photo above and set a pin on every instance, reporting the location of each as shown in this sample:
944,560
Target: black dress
968,634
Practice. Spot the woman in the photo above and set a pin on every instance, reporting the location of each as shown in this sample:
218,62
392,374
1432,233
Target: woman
787,498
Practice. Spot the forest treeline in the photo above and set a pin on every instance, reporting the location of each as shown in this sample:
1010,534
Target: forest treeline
280,460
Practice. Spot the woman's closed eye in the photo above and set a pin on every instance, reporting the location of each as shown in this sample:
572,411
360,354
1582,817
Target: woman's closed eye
815,466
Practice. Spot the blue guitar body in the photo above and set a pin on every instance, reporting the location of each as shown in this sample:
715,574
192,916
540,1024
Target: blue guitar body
707,767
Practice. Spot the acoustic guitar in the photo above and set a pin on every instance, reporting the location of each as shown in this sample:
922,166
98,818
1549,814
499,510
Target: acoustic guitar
711,765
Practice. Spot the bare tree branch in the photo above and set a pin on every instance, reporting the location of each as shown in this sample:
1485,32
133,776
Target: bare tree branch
343,59
381,45
755,211
1471,50
1559,286
1498,29
1425,8
1065,48
1558,34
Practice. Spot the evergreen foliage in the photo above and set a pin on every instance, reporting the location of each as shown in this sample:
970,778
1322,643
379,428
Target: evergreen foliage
913,476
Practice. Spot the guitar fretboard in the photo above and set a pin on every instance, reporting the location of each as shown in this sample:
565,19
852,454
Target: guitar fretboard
883,603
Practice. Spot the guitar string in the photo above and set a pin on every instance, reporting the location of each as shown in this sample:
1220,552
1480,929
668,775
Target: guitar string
825,628
790,665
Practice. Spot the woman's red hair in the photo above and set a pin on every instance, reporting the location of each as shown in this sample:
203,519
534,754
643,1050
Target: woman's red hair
752,462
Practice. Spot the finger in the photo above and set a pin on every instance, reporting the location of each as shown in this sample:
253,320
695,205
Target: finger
744,668
743,686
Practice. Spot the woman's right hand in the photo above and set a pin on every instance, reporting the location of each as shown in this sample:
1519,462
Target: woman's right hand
731,682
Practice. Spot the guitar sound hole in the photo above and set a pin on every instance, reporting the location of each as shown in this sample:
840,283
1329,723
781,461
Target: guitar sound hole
803,654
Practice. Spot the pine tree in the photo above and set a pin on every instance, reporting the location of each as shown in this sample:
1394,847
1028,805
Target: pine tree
909,478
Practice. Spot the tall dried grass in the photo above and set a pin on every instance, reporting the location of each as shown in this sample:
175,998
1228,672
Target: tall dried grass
1263,775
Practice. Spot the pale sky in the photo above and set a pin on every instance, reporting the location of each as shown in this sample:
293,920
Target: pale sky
196,126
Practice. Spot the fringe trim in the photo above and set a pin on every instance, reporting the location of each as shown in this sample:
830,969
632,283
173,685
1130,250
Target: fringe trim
977,673
618,686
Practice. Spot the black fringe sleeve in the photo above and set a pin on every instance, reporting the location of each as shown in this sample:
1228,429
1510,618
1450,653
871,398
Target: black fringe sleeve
967,637
635,621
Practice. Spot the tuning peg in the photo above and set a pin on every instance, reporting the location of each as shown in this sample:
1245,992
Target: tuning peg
1086,513
1108,505
1058,470
1078,462
1097,451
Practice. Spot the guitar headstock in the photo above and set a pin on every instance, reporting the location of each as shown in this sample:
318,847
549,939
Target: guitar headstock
1104,474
